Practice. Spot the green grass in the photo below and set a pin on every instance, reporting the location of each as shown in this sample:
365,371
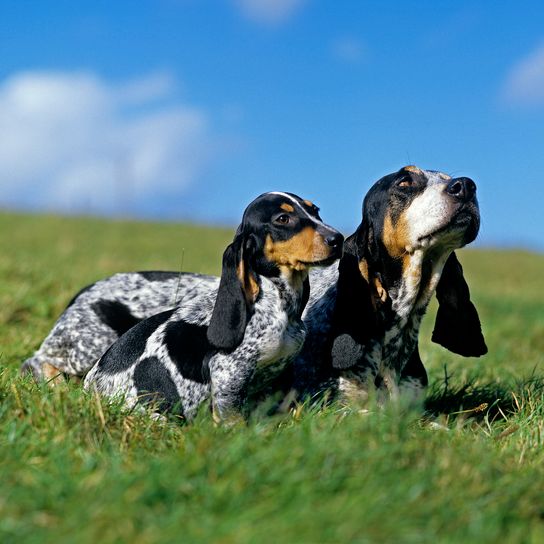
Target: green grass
73,469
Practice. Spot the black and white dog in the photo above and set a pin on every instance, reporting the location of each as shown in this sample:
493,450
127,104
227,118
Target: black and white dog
364,314
227,341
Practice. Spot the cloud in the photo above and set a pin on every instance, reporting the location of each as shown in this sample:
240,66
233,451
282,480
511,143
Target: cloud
348,49
524,84
269,12
74,141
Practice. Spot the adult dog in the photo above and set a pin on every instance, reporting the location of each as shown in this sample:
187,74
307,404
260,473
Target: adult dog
364,314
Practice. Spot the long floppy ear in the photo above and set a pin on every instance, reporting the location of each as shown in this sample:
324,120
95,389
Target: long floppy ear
354,318
457,326
238,290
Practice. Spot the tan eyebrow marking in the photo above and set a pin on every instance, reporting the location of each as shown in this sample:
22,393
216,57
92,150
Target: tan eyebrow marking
287,207
308,203
412,168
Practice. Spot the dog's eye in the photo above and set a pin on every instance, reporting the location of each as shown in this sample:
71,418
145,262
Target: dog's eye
283,219
405,182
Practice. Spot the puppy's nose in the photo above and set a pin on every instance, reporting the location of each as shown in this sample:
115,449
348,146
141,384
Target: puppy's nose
463,189
334,240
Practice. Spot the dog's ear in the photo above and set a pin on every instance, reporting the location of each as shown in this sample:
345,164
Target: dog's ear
457,326
354,318
238,291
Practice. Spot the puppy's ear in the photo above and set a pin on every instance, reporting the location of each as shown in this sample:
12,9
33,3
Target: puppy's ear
457,326
354,318
238,290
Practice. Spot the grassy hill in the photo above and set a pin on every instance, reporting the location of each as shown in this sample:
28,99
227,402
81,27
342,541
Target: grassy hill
73,469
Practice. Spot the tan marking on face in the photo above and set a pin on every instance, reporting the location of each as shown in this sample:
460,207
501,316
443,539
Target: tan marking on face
248,281
412,168
395,237
287,207
297,252
444,176
309,203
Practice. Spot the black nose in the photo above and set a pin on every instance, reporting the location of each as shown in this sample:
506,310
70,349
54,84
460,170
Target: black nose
463,189
334,240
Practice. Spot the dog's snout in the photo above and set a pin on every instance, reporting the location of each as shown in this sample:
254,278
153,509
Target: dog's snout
334,240
463,189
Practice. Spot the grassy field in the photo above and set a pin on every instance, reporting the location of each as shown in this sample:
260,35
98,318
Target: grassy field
73,469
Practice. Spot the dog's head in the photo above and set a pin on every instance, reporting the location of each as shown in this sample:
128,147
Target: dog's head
280,234
407,213
416,209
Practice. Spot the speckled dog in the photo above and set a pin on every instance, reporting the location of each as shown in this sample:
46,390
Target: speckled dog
228,340
364,313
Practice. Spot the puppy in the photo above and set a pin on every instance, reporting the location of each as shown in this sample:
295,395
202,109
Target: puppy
231,338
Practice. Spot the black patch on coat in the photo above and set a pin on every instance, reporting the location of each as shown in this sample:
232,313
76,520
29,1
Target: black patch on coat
187,346
129,348
157,275
154,385
115,315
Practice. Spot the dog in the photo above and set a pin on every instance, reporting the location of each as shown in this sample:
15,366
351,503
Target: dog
227,341
364,313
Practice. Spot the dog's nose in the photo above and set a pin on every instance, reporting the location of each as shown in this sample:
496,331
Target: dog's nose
463,189
334,240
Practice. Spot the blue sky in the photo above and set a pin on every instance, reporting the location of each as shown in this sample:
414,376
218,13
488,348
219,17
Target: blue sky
188,109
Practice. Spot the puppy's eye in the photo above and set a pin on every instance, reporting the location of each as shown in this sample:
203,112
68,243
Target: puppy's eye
283,219
405,182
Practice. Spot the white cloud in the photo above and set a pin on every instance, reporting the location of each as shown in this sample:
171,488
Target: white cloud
270,12
76,141
524,84
348,49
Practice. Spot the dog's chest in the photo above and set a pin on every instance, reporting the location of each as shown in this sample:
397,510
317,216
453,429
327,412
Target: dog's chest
282,340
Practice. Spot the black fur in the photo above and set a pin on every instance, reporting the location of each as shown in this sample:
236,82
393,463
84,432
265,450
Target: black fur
354,322
155,385
187,346
457,326
232,308
129,348
115,315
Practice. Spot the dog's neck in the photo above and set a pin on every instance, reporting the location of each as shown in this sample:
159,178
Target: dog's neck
401,290
290,284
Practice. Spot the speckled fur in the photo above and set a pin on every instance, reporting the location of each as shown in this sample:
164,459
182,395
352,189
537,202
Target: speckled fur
80,336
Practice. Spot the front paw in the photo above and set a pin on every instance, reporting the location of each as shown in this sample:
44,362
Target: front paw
227,418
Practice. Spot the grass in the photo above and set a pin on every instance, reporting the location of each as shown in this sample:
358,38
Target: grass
73,469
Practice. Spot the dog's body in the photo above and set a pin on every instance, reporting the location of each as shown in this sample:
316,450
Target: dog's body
363,314
233,336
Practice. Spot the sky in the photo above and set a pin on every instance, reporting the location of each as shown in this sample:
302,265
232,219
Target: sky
188,109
